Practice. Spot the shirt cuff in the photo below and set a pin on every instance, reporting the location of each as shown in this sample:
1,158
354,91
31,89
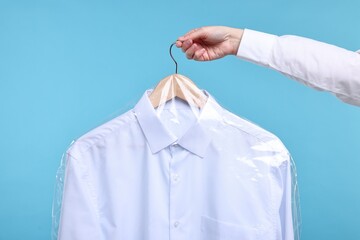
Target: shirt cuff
256,46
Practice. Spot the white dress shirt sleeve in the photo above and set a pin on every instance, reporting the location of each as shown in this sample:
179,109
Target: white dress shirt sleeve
79,218
316,64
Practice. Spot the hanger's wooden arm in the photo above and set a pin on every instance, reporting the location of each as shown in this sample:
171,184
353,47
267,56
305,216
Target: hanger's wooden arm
177,85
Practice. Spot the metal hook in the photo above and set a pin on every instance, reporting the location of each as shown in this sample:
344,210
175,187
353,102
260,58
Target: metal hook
176,65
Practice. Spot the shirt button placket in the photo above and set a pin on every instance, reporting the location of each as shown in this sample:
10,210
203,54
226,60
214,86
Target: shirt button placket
175,225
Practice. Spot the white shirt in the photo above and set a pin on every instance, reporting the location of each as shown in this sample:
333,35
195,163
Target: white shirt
168,175
316,64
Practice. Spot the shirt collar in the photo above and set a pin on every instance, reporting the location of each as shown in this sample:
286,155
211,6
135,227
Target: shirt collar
197,137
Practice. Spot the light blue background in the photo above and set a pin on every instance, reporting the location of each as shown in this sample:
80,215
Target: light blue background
67,66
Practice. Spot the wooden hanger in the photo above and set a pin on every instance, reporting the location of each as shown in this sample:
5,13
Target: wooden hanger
177,85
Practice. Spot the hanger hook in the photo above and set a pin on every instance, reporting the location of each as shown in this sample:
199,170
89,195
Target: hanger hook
176,65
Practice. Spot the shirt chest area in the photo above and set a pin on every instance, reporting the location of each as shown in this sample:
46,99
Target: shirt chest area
181,194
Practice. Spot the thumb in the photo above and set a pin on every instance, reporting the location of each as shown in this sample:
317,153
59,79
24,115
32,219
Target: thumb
197,33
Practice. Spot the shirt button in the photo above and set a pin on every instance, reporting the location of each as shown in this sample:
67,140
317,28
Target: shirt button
175,145
176,224
176,177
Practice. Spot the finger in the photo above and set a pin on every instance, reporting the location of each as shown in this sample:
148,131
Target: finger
194,34
185,46
184,37
191,51
199,54
178,44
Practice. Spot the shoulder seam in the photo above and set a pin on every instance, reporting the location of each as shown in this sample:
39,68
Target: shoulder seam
258,136
99,136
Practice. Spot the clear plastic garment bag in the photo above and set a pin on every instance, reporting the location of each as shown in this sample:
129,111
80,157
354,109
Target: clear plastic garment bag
177,166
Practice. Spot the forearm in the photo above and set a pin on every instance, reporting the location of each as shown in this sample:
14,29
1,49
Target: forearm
316,64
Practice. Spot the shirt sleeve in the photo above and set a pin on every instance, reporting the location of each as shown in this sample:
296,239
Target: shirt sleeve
316,64
79,218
